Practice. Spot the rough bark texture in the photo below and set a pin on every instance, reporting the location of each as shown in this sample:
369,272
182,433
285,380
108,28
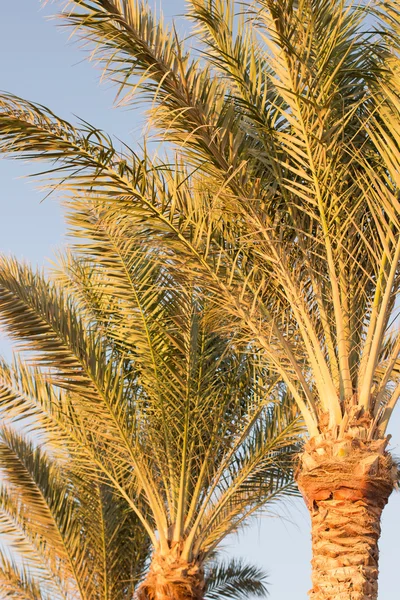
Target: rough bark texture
171,578
346,483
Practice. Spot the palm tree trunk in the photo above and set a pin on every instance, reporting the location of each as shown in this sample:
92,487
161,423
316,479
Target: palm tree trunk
346,483
171,578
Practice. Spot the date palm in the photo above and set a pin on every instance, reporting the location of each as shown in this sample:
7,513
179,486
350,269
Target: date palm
283,201
146,398
65,537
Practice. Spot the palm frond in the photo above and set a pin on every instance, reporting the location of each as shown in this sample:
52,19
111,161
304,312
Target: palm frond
77,534
16,582
235,579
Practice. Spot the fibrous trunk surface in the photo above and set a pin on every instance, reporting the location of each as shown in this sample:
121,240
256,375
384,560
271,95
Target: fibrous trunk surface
171,578
346,483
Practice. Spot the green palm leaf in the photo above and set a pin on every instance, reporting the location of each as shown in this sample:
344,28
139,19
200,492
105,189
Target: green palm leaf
235,579
16,582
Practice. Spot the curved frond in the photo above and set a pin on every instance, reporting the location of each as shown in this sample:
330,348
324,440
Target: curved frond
17,583
235,579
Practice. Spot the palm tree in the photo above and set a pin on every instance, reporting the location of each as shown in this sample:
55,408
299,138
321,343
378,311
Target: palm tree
130,378
65,537
283,201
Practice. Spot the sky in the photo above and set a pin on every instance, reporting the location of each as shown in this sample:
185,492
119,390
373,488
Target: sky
39,62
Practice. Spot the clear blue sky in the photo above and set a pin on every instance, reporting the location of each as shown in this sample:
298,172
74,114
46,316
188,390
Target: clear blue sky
38,63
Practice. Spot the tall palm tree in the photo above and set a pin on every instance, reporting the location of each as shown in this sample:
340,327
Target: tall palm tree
131,379
65,537
283,201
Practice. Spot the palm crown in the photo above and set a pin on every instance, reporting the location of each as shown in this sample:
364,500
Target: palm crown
132,381
65,536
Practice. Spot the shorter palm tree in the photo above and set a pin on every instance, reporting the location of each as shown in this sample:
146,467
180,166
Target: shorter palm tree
130,379
63,537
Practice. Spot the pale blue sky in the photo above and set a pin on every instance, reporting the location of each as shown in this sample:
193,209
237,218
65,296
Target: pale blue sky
38,63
